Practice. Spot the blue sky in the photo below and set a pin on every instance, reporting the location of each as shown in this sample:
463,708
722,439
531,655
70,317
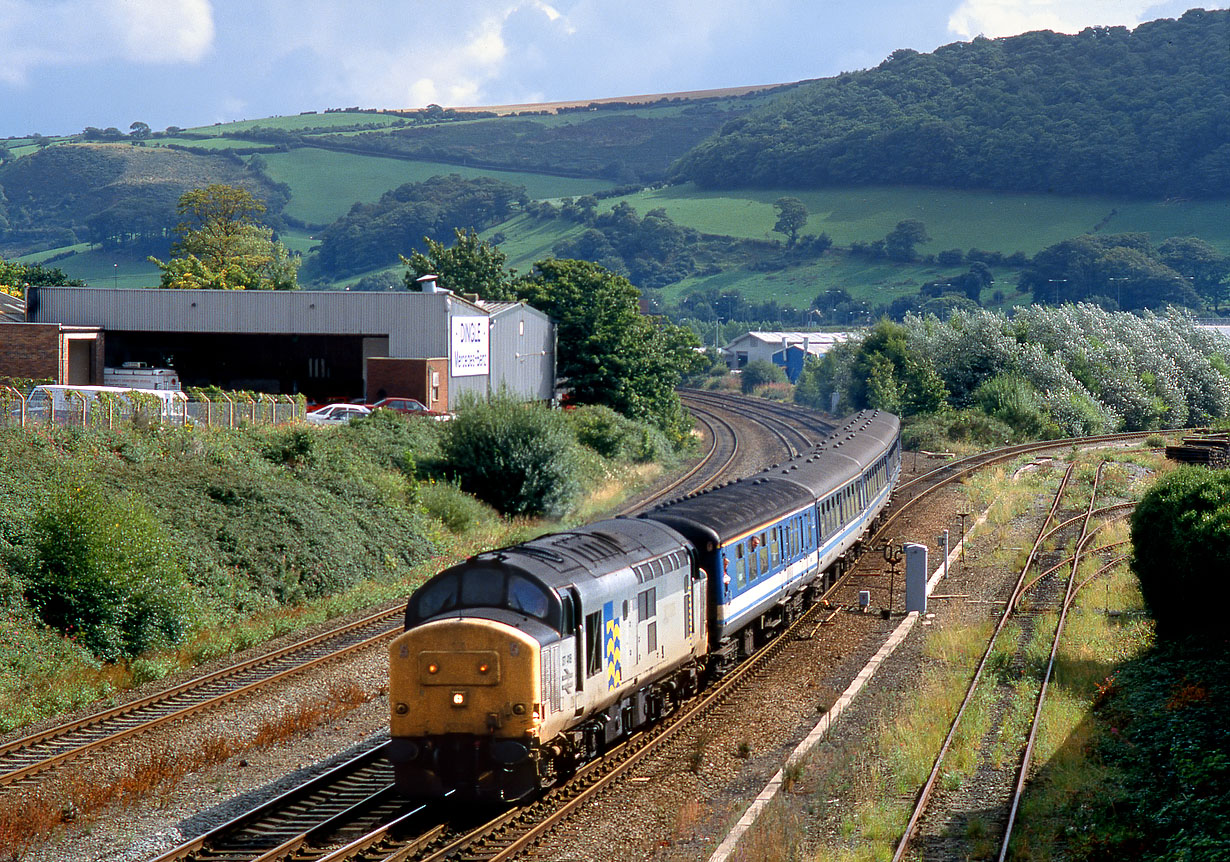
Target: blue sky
68,64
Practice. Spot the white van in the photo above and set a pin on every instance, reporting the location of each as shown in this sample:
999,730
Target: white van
74,404
140,375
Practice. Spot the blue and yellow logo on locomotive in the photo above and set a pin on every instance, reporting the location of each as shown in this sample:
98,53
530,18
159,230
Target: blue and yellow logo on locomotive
610,627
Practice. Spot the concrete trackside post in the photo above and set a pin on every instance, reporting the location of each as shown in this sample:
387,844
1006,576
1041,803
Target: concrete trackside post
915,578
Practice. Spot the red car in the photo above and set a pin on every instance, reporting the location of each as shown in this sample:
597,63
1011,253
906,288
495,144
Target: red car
411,406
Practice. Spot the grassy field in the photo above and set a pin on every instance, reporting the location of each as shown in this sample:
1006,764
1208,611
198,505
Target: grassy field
324,183
994,221
104,269
299,122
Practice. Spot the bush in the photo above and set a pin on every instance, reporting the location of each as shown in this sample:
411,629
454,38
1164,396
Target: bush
1181,552
614,436
458,511
522,459
1011,399
102,571
758,372
963,429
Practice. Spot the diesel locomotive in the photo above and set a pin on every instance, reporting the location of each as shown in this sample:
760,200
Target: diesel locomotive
520,663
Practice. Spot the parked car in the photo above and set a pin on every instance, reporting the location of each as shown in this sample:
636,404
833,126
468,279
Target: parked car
335,414
410,406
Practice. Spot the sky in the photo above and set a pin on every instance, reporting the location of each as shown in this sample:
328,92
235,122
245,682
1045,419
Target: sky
68,64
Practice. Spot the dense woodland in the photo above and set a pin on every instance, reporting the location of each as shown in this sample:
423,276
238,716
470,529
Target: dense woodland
375,234
1108,111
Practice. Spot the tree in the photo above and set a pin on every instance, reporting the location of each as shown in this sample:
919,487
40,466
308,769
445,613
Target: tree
15,276
139,130
1181,549
1197,261
900,241
609,353
470,265
791,217
222,246
887,374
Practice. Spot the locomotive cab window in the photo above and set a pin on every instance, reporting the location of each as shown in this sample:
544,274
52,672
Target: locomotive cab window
485,588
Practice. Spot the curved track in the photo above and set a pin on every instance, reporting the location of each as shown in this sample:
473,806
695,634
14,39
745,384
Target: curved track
916,490
24,760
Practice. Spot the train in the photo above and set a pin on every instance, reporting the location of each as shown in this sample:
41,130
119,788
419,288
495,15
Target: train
521,663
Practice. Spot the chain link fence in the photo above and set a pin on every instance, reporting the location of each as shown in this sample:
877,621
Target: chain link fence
100,407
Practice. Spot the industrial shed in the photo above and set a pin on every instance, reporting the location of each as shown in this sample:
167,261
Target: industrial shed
434,346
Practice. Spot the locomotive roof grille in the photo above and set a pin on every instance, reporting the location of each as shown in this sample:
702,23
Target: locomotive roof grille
532,551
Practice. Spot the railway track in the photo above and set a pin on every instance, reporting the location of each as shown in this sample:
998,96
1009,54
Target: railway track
27,759
22,760
321,843
403,836
717,460
781,420
938,827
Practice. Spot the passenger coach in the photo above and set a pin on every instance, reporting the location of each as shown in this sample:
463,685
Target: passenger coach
520,663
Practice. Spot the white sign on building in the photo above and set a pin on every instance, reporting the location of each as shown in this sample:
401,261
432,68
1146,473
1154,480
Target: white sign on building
470,354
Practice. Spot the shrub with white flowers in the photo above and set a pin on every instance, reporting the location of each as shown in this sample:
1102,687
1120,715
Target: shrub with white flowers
1091,371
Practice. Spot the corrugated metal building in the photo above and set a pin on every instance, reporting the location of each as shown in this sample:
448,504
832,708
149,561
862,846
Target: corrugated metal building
325,344
520,344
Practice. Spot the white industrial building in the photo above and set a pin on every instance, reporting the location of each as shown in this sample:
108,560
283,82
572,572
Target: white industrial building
786,349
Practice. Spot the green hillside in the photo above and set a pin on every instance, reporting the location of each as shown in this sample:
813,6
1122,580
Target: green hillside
1003,221
990,151
325,183
1109,110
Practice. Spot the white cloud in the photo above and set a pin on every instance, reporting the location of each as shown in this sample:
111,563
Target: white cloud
163,30
993,18
38,33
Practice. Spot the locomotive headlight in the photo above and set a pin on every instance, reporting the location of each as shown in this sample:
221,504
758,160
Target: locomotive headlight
484,667
459,698
433,668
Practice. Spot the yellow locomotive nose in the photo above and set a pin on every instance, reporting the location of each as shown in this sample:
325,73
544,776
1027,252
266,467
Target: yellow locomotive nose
464,695
463,676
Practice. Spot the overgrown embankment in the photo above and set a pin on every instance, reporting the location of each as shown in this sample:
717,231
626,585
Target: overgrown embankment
128,554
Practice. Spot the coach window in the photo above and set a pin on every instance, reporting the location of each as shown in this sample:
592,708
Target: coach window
740,566
764,554
775,546
593,643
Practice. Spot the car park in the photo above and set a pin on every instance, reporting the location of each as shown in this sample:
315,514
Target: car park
336,414
409,406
